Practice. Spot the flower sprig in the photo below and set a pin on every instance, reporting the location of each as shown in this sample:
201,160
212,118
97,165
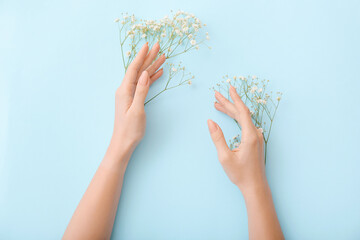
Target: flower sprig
177,34
175,71
261,103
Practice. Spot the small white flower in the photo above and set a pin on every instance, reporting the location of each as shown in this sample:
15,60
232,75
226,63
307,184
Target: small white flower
185,29
125,17
263,101
195,26
122,22
207,37
117,20
260,90
163,35
261,130
253,77
193,42
143,36
197,47
174,69
128,53
228,80
236,145
253,89
190,36
189,82
278,98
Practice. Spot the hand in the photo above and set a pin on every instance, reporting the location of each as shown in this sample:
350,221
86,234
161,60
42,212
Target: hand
244,165
130,117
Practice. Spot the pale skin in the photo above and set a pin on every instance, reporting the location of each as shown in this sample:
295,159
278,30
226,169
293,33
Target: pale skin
94,216
245,167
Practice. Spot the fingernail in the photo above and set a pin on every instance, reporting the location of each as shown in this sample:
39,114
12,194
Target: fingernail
212,126
143,78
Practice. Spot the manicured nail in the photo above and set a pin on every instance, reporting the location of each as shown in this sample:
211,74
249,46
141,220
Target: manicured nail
144,78
212,126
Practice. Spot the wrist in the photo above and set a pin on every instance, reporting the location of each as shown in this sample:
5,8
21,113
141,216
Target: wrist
118,153
255,188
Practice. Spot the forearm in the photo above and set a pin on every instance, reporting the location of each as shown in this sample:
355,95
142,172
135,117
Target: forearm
95,214
262,219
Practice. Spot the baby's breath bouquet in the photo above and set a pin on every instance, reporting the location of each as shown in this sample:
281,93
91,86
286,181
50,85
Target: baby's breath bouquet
178,34
261,103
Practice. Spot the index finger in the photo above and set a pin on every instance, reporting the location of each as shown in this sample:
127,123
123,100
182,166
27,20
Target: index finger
242,115
134,67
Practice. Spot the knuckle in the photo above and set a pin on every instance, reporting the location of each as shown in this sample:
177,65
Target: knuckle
253,139
216,137
139,112
244,109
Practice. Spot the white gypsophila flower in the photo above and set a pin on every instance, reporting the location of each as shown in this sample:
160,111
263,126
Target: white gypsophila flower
278,98
123,22
253,77
260,90
116,20
174,69
263,101
251,112
228,80
207,37
179,29
253,89
261,130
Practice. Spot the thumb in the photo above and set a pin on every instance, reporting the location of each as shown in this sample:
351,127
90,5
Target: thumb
218,138
142,89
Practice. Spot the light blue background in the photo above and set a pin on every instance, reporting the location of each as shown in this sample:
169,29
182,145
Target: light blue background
60,65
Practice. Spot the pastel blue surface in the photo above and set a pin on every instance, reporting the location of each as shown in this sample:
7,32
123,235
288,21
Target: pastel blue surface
60,65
